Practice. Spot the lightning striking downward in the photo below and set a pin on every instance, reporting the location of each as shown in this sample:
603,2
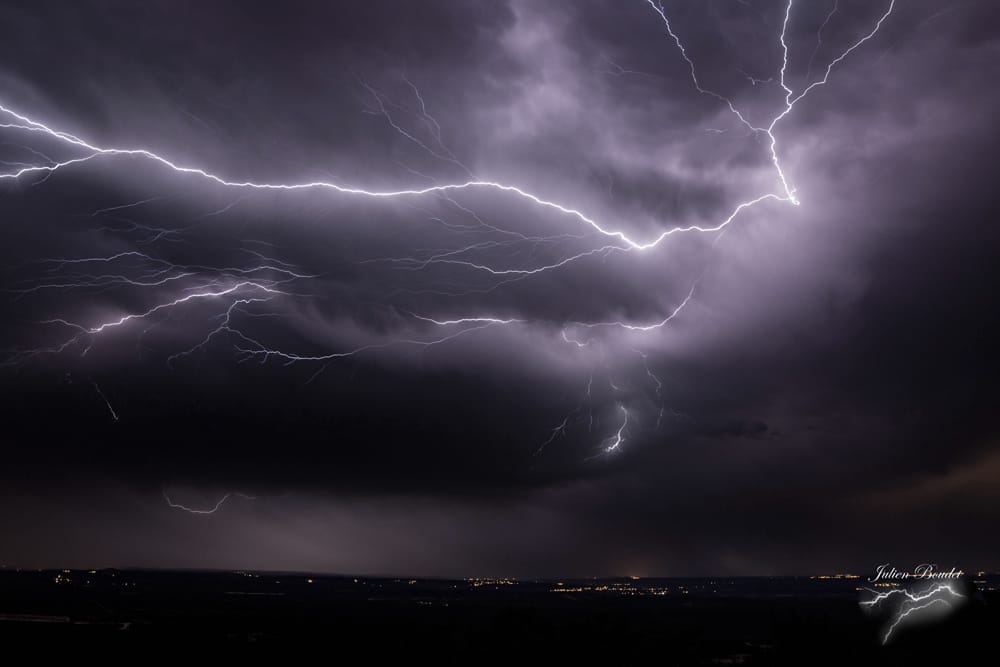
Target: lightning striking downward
114,415
240,294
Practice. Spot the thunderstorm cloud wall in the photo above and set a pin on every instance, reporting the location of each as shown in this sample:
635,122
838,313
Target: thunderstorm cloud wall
613,369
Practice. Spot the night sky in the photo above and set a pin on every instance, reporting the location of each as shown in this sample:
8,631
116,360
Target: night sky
468,345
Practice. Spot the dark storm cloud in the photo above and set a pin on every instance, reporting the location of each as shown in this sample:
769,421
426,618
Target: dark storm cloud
834,371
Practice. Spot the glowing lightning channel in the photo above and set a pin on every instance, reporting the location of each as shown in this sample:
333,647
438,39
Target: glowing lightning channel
265,353
467,320
384,112
618,439
644,327
790,100
213,509
658,8
170,304
242,281
94,150
114,415
819,37
657,385
557,431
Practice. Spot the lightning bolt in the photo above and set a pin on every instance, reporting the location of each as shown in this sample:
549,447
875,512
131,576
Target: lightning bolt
114,415
211,510
819,37
236,289
657,385
618,439
93,151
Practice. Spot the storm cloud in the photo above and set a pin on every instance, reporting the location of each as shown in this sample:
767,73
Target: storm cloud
468,381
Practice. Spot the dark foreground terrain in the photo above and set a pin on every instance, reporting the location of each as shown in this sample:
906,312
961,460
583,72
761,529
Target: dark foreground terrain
794,621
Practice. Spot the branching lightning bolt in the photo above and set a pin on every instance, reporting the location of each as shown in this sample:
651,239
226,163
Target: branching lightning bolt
238,289
92,151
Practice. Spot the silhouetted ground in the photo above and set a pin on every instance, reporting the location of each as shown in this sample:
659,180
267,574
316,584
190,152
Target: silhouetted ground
786,621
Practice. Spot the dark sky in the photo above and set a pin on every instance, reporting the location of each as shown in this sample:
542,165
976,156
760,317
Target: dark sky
470,381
